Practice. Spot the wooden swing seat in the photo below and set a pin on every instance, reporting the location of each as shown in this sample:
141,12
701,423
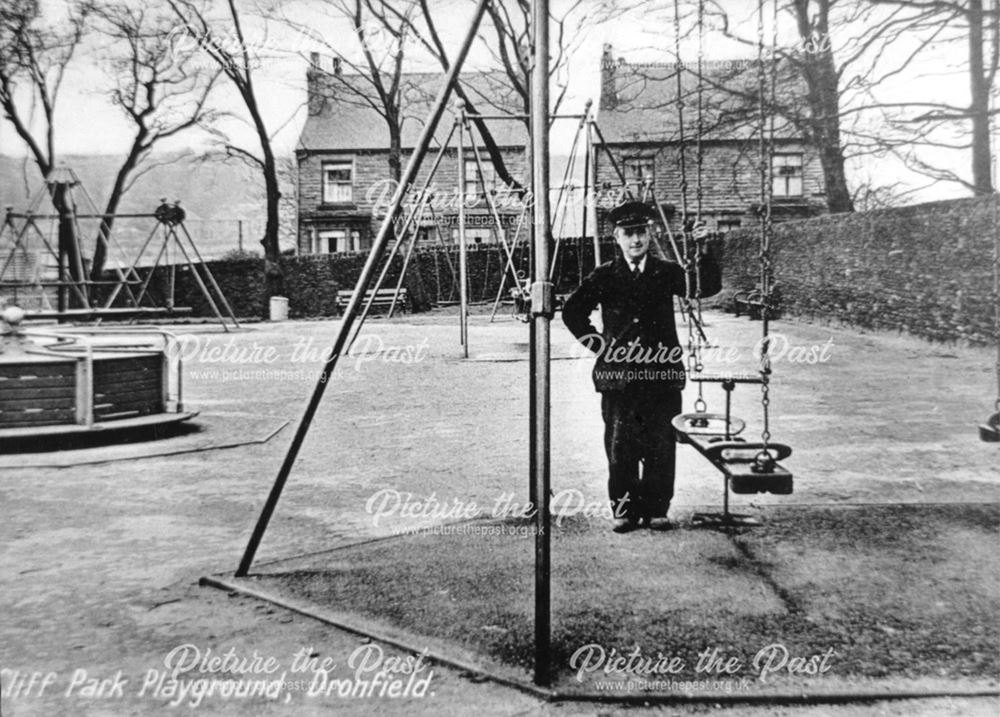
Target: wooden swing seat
735,458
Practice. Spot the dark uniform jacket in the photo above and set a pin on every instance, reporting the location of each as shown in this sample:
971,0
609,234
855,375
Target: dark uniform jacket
638,344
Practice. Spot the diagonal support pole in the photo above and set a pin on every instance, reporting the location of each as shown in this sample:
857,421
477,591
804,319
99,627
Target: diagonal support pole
364,280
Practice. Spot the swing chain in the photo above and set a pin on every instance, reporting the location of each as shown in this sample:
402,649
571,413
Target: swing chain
699,162
996,292
766,197
691,249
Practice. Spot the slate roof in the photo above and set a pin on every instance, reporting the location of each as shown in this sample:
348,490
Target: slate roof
340,117
646,108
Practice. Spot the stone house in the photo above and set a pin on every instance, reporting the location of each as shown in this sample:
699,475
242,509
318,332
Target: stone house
344,178
639,119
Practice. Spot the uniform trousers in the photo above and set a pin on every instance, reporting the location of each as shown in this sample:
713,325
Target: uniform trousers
639,441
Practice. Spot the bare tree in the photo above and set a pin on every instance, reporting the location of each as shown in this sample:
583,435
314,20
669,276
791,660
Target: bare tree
235,62
837,51
376,80
510,47
830,82
964,24
160,91
34,55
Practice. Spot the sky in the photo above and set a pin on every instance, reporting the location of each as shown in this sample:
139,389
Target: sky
638,31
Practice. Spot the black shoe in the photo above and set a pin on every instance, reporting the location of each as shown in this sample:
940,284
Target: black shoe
626,525
659,524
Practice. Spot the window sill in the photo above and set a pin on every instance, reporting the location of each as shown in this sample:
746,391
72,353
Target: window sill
338,205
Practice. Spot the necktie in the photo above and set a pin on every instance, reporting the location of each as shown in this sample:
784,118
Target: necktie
636,272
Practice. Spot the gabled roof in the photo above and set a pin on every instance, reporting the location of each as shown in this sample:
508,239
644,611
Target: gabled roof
643,101
342,115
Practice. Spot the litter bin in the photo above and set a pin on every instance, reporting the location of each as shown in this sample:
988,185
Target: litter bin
279,308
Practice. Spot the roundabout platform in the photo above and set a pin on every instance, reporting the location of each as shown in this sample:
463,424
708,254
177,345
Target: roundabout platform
70,388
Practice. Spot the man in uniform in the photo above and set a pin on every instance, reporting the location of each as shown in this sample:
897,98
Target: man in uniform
640,364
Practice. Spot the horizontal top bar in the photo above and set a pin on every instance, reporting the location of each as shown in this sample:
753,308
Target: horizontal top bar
21,215
724,377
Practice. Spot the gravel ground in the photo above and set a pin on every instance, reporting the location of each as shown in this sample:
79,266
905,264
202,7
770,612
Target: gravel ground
101,560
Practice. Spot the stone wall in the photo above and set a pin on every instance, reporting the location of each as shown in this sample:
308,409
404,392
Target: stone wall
924,269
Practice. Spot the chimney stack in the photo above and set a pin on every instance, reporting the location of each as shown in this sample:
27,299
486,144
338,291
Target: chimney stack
609,92
315,86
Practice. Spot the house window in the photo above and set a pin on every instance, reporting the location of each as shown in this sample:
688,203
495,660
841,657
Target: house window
332,241
476,184
724,226
787,169
475,236
640,170
338,182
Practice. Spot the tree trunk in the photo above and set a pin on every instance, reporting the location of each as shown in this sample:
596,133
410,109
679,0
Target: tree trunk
70,261
114,200
274,275
824,126
982,183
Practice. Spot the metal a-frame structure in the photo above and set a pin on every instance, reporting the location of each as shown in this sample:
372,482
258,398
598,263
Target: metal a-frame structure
33,263
542,310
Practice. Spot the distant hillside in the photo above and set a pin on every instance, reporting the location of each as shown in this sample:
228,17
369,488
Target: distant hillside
221,200
215,194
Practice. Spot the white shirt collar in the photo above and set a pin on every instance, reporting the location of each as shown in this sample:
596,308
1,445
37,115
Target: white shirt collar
642,264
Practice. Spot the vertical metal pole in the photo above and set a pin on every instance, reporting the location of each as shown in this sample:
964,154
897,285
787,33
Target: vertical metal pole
85,388
378,248
180,384
586,194
532,402
463,260
165,381
590,203
541,309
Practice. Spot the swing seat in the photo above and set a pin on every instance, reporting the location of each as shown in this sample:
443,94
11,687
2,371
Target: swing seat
705,424
737,459
990,431
740,451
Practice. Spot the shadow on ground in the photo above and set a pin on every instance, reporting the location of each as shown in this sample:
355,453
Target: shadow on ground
819,599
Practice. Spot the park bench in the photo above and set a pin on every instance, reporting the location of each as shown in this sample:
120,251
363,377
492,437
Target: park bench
380,299
751,303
